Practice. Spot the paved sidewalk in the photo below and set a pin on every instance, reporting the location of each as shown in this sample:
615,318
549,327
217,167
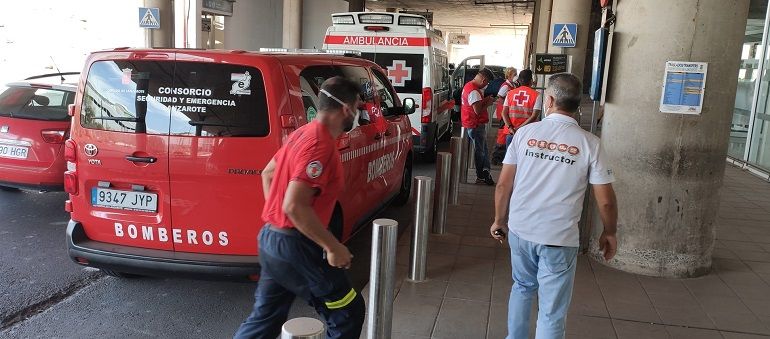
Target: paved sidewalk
466,296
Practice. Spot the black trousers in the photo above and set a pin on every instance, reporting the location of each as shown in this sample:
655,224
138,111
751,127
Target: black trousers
293,265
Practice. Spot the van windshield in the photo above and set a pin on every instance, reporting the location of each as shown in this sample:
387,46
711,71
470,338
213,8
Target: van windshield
177,98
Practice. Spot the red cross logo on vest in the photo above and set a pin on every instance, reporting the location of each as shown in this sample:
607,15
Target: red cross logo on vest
521,98
399,73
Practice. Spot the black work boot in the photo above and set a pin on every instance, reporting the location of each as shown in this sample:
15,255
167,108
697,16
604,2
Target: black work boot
488,178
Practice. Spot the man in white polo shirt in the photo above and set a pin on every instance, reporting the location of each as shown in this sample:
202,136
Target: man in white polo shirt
545,174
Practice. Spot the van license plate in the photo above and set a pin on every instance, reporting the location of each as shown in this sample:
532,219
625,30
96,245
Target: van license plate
125,200
13,152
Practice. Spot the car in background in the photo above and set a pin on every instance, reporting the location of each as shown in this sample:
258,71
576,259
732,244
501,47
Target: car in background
466,71
34,123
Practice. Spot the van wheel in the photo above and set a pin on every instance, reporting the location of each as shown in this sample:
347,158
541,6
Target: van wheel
9,189
337,222
406,185
117,274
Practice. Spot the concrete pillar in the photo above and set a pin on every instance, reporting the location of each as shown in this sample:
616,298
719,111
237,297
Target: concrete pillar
543,22
292,23
356,5
187,23
572,11
669,167
162,37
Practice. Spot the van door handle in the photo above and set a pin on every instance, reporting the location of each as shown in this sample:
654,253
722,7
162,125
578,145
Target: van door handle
149,160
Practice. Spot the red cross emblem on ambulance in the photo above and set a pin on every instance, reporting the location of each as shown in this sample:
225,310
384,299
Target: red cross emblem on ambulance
399,73
521,98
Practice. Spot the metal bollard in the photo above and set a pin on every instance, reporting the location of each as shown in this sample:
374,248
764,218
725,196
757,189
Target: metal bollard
471,156
382,281
422,214
465,155
303,328
441,192
454,182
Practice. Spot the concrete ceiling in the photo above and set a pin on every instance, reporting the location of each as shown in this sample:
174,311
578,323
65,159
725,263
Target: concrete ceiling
472,16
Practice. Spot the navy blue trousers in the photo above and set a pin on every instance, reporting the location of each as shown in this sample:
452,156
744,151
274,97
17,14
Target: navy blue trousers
293,265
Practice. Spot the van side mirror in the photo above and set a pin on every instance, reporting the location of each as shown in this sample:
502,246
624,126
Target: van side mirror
409,106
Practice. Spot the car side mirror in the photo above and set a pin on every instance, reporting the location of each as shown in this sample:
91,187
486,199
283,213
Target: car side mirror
409,106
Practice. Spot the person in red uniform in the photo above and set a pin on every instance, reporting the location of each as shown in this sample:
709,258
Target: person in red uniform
522,106
511,73
299,256
474,116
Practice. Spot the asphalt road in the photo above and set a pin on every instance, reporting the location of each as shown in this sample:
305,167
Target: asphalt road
44,295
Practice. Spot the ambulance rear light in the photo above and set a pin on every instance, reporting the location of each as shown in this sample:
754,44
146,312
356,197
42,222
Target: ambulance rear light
427,107
375,18
343,20
254,277
412,21
377,28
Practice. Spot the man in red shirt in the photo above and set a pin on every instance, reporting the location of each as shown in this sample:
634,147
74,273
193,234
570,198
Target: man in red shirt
298,254
474,116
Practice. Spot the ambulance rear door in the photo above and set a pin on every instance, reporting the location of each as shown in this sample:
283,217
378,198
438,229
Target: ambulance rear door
401,49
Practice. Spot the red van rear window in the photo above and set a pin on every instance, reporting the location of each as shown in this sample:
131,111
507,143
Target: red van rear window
35,103
177,98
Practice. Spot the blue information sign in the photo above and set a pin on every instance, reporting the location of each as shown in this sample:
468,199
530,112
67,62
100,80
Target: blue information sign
149,18
564,35
597,71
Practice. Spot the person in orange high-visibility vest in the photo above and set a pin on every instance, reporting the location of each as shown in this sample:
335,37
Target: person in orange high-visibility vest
522,105
511,73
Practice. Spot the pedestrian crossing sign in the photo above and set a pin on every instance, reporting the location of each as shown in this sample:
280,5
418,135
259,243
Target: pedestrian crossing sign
564,35
149,18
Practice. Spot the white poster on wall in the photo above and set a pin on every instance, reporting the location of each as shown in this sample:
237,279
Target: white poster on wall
684,84
459,38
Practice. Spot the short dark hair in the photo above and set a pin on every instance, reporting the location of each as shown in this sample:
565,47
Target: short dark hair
485,72
344,89
525,76
567,91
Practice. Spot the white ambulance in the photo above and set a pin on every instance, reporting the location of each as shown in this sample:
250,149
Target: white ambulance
415,57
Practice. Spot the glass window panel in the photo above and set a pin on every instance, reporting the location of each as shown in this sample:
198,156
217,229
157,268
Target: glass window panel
747,77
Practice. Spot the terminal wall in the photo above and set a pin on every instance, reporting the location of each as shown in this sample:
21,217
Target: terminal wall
254,24
669,167
316,17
